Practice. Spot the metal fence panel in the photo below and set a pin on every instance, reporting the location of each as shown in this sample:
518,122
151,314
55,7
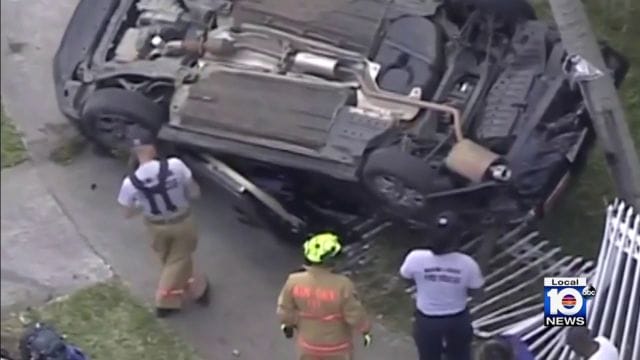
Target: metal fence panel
613,313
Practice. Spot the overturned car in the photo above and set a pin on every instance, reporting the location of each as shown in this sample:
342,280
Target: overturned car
339,109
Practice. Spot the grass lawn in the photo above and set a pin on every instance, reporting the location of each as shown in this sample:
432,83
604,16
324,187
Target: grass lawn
381,289
13,151
106,323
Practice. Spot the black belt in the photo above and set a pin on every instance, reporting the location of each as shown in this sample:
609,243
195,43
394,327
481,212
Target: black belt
169,221
421,314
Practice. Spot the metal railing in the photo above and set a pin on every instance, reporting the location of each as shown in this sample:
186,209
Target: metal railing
513,286
615,311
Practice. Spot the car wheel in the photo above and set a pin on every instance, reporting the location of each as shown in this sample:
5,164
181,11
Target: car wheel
397,179
108,114
513,10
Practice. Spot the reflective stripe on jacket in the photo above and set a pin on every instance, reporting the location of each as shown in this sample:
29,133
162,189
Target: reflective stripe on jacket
324,349
324,308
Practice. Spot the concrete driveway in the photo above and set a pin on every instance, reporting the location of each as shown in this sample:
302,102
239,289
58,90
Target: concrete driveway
247,266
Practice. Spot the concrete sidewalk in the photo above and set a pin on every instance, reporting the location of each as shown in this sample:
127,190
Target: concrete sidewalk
247,266
43,256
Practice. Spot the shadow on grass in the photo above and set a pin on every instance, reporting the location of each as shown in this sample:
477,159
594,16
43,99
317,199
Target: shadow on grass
106,323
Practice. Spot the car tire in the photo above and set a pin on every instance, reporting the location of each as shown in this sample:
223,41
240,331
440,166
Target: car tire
125,109
513,10
411,174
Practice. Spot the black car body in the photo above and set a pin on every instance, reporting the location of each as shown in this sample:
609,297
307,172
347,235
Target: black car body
400,108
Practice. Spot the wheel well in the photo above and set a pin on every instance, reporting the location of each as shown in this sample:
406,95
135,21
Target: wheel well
158,90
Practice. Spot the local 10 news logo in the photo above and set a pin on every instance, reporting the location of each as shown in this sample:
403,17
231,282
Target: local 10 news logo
565,301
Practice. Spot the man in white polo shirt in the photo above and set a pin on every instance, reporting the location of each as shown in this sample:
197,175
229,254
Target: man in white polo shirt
162,189
444,279
590,348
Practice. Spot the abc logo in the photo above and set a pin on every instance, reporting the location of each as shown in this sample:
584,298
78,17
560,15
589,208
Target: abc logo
567,301
589,291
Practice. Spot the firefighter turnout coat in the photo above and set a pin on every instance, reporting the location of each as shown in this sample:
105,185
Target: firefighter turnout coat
324,309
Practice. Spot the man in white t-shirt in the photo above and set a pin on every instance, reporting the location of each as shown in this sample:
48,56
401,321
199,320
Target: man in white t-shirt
162,191
584,344
444,280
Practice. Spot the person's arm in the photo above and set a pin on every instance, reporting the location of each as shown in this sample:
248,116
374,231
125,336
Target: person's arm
286,309
353,311
192,187
127,199
476,294
475,281
132,162
407,269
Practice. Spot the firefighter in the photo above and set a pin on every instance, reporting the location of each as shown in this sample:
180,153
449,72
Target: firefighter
162,189
322,307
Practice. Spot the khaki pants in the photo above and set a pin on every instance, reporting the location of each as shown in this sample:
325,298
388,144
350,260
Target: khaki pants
175,244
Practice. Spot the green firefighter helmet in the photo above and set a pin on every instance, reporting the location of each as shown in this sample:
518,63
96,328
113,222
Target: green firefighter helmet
322,247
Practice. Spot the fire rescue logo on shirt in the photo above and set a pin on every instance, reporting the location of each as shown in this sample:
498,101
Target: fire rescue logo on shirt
444,275
565,301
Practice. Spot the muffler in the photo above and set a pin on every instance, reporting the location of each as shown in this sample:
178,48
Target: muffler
476,162
315,64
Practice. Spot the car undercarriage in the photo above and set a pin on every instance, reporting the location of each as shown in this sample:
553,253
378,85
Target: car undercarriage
342,110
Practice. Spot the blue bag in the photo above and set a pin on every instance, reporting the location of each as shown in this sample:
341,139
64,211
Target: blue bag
43,342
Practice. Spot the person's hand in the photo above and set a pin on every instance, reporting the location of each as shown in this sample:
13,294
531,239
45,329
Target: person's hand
367,339
287,331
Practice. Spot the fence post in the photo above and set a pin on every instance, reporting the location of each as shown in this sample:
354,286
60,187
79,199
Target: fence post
601,99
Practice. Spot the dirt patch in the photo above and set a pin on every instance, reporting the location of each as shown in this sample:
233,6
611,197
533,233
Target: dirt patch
65,143
106,323
67,150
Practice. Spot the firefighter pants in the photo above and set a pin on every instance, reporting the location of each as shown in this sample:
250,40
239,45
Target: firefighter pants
174,244
326,357
431,333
